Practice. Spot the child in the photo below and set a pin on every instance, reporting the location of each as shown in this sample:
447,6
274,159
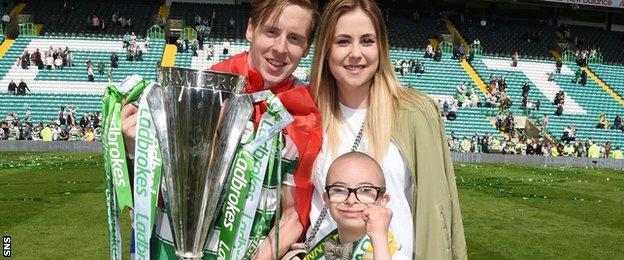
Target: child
356,199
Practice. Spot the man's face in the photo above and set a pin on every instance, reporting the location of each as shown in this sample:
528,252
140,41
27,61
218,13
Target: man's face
276,49
354,173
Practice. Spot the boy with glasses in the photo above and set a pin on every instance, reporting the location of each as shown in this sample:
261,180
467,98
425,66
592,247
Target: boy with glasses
356,200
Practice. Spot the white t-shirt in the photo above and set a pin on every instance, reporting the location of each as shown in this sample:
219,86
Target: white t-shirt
398,184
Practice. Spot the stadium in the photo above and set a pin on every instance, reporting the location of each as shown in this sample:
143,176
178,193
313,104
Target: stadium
531,94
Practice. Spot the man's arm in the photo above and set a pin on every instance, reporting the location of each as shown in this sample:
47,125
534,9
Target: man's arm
290,228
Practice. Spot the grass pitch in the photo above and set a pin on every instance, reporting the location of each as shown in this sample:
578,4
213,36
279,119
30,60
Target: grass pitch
53,206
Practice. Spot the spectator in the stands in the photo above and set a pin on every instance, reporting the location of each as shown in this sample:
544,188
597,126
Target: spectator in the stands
420,66
138,53
85,120
69,59
58,63
194,47
559,64
25,60
429,51
37,59
6,18
583,78
438,55
115,18
460,52
514,59
526,88
231,24
22,88
603,122
133,38
569,134
25,132
197,20
101,67
114,60
483,24
617,123
226,47
12,88
60,116
90,76
210,52
476,42
49,62
146,42
127,23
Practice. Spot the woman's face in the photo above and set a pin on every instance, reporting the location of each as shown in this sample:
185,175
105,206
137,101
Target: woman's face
354,54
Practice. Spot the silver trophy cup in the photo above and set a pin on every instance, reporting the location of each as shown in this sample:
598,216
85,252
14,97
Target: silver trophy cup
199,118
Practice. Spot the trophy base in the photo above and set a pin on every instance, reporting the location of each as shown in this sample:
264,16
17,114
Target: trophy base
188,255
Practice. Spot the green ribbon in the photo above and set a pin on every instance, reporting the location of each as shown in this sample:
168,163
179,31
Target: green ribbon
117,181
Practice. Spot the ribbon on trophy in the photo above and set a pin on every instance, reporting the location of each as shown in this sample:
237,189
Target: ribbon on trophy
117,184
239,220
147,172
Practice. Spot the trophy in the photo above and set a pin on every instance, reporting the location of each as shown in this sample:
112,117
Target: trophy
199,117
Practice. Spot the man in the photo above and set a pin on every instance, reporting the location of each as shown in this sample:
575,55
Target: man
22,87
280,33
85,121
12,87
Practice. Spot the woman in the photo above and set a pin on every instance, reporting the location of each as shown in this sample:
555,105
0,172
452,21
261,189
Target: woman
355,87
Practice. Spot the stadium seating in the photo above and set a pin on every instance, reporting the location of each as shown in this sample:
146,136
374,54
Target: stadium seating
506,39
583,104
55,88
188,11
44,106
8,8
610,43
404,32
612,75
56,21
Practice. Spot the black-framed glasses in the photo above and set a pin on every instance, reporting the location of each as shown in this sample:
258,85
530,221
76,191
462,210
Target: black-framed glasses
364,194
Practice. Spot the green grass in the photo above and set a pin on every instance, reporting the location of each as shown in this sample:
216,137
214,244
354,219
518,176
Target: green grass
53,206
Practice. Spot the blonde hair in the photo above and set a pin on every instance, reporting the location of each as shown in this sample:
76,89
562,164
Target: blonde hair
385,91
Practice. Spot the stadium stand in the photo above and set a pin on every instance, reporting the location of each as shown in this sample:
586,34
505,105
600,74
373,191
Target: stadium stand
72,20
610,43
223,13
6,6
52,89
583,104
405,32
612,75
511,36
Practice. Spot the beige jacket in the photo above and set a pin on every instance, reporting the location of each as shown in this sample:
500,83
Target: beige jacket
419,133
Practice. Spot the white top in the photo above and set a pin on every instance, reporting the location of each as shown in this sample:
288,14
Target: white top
398,183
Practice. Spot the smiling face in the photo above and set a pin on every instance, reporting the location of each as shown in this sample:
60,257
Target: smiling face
278,45
353,170
354,54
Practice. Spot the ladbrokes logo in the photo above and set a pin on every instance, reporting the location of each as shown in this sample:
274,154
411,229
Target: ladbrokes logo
6,246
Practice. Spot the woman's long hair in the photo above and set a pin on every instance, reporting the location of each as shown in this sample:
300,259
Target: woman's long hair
385,91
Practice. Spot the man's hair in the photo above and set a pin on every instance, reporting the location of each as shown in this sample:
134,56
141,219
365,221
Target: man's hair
261,10
355,155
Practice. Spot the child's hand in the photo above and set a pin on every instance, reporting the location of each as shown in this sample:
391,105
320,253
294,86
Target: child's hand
377,219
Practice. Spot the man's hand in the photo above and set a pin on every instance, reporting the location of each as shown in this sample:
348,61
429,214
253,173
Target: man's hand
377,219
128,126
